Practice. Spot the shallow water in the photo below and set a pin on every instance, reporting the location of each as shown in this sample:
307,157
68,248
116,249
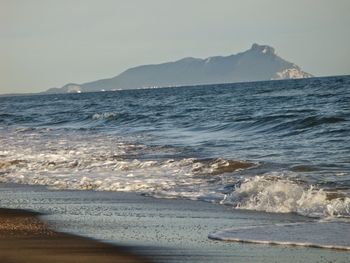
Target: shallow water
174,230
276,147
326,235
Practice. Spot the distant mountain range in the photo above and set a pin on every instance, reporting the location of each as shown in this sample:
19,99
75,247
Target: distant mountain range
258,63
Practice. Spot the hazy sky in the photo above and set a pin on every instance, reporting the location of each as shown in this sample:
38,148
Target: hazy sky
46,44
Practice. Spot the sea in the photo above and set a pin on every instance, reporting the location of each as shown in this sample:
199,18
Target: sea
271,146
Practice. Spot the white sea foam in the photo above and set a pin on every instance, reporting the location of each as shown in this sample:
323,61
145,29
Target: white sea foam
71,161
217,236
105,115
108,163
305,234
280,195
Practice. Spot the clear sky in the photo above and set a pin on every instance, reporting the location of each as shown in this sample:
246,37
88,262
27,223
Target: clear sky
45,44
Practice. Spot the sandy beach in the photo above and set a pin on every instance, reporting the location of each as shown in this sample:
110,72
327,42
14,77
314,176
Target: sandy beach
25,238
162,230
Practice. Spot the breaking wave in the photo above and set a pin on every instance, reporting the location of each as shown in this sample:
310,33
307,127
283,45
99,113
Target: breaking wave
109,163
112,164
281,195
110,173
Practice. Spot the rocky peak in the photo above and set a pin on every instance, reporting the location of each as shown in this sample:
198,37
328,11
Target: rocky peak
265,49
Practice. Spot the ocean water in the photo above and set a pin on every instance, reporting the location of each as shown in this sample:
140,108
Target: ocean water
275,146
280,146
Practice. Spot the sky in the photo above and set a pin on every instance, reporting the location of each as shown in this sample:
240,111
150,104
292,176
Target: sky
45,44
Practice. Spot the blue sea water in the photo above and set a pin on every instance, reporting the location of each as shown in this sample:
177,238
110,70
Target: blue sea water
275,146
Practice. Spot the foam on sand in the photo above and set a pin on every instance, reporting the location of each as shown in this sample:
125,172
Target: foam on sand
329,235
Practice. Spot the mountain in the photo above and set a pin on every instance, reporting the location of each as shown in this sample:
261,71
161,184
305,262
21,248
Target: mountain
260,62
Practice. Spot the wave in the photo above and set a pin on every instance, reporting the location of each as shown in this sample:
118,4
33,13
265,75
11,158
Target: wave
105,116
219,166
280,195
112,119
211,180
110,164
288,124
113,163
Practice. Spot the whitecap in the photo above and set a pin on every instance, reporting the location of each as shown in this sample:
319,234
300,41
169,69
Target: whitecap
105,116
281,195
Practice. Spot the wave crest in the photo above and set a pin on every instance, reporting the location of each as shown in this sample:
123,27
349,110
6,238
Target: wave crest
278,195
105,116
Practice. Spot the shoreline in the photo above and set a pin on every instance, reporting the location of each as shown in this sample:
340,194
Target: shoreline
163,230
26,238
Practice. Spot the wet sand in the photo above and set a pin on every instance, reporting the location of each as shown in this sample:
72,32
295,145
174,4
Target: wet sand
164,230
26,238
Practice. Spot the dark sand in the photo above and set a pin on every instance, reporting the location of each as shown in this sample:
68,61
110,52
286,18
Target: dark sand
25,238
